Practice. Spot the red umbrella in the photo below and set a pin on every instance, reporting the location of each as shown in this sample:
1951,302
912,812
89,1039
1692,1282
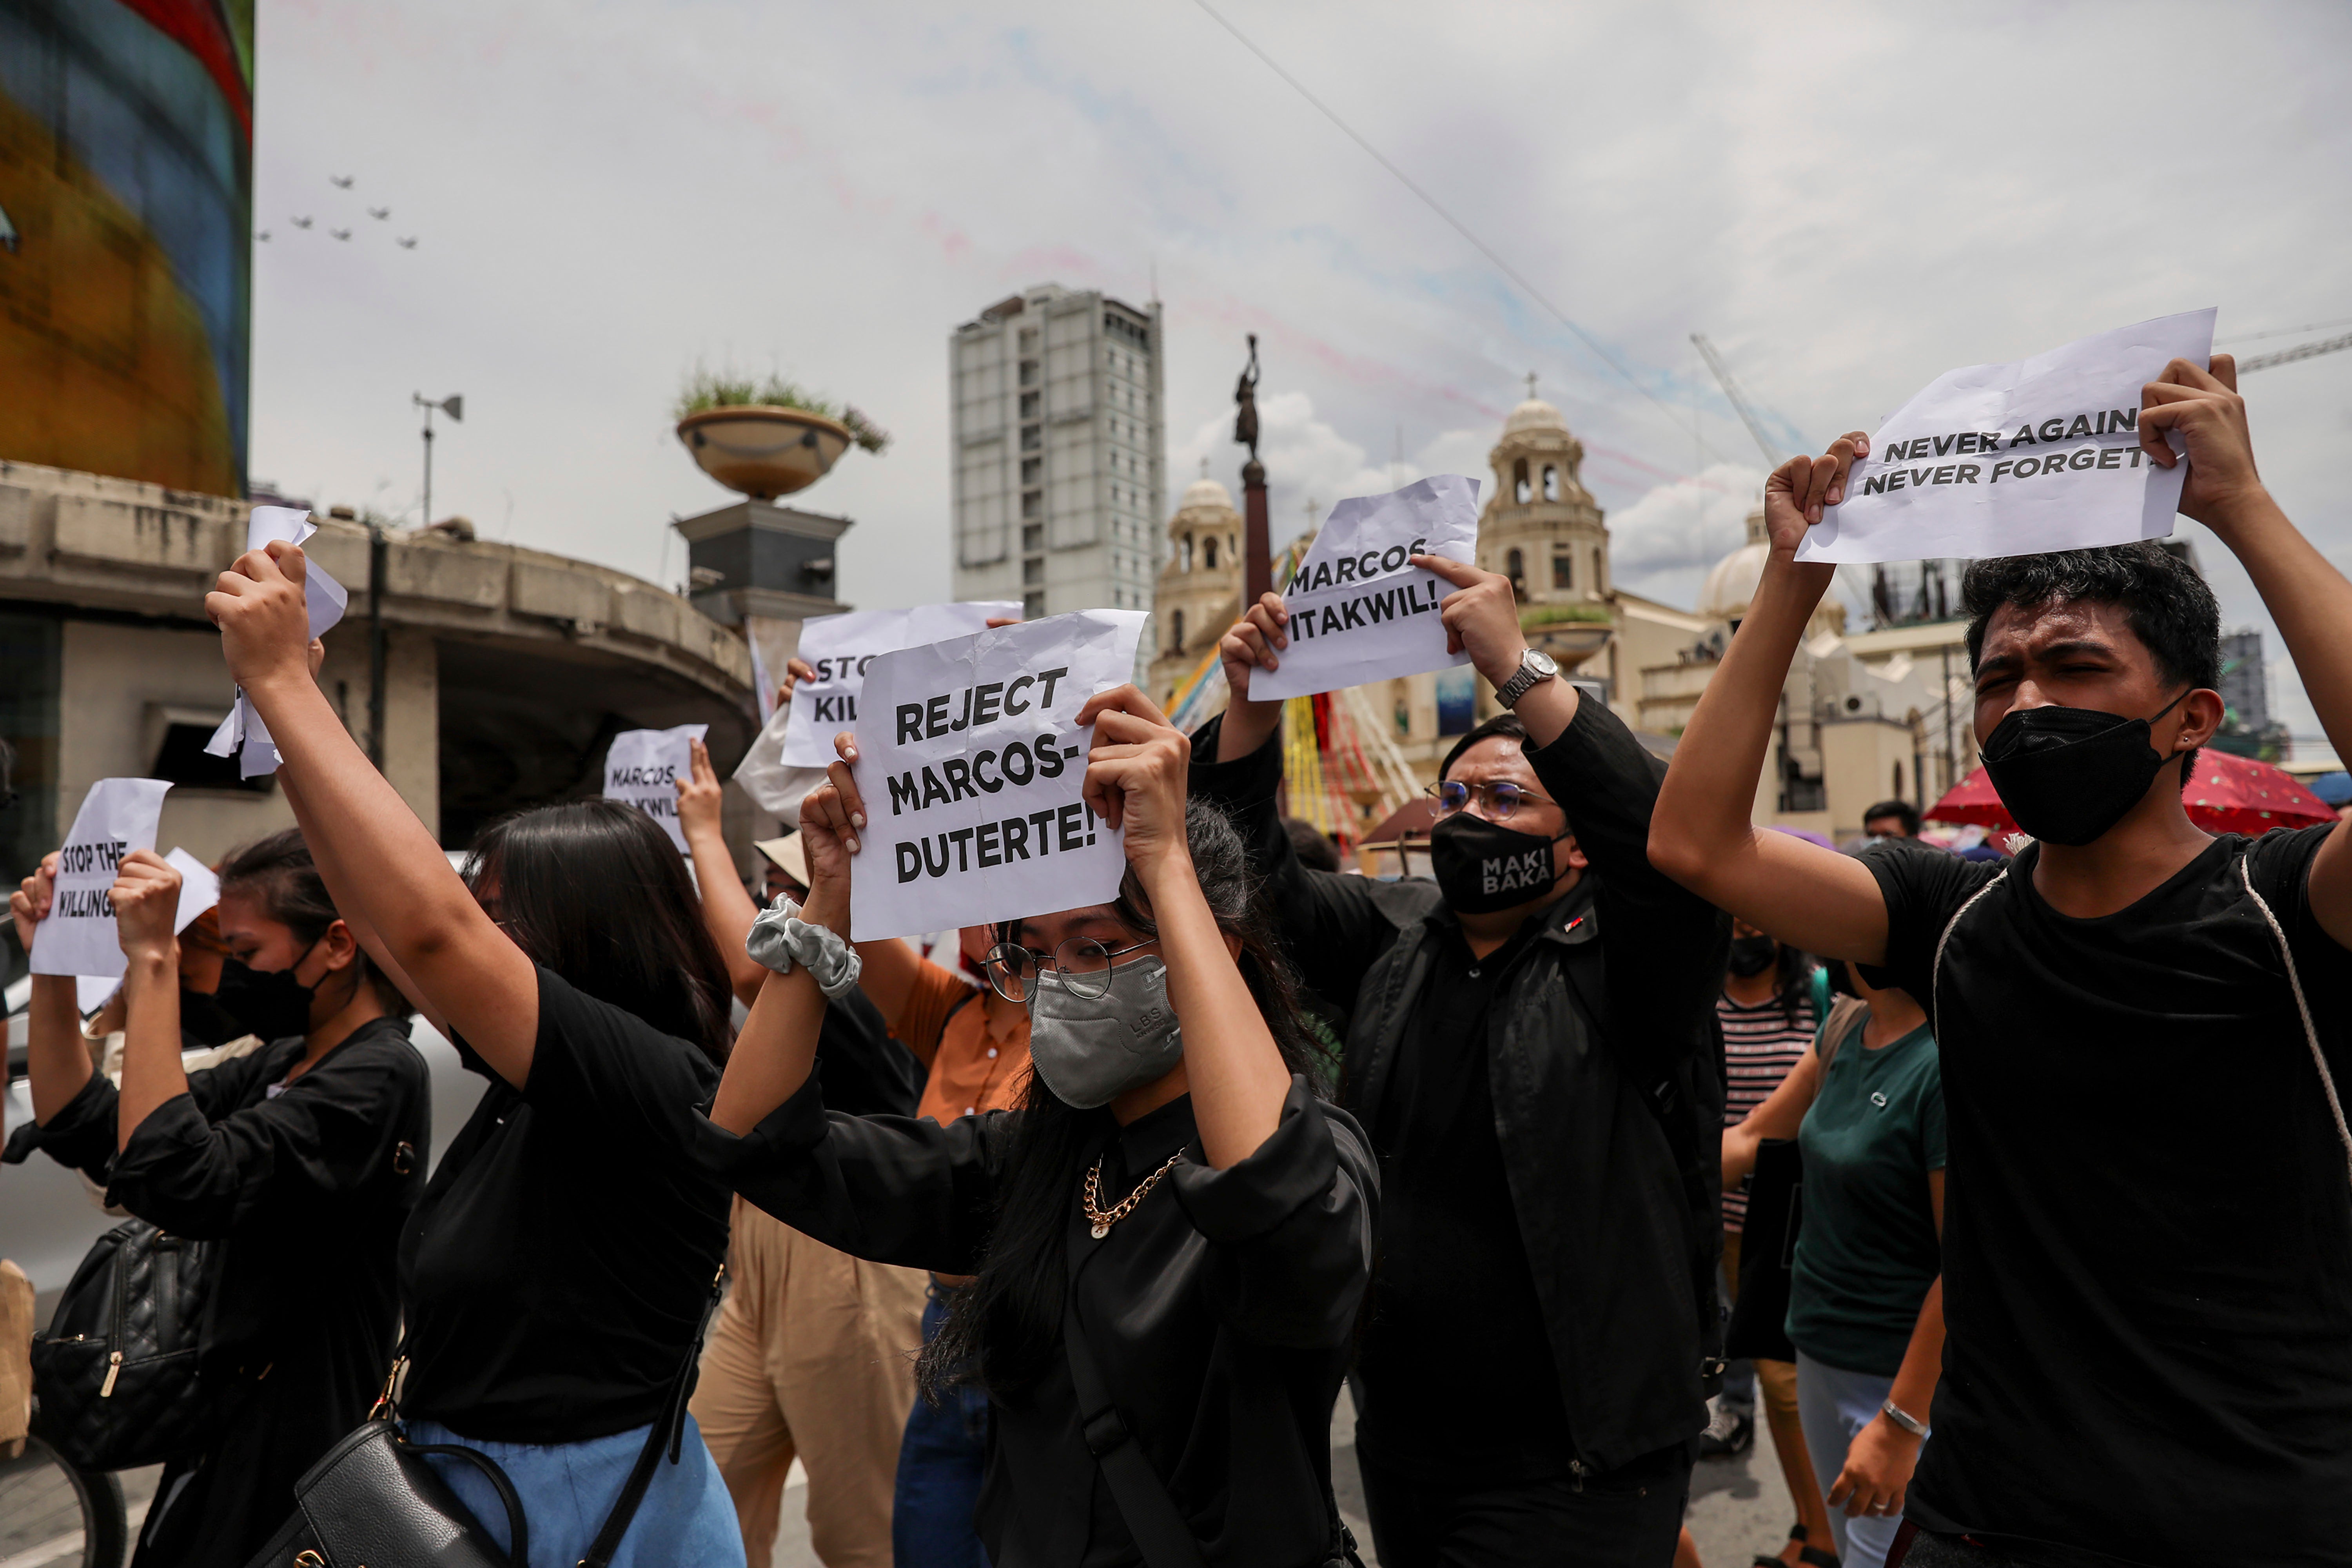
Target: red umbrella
2230,794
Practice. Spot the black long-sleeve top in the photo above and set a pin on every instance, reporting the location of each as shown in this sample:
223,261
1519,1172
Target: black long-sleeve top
303,1193
1219,1310
1599,1050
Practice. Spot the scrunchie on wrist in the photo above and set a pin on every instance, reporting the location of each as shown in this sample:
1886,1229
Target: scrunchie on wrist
781,939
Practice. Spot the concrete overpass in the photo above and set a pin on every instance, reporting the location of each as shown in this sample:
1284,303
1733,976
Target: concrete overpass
508,669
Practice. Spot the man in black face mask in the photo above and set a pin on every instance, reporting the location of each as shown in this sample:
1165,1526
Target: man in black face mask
1531,1046
2142,1030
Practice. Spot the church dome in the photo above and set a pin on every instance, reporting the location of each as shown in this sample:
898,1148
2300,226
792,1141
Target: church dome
1535,414
1732,582
1205,491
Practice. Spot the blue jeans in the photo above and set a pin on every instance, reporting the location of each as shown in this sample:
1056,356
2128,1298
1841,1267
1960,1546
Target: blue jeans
1835,1405
940,1461
567,1489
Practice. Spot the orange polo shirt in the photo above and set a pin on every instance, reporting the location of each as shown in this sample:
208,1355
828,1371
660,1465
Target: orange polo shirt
973,1069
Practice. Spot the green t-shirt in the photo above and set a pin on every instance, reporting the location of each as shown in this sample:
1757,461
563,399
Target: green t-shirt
1866,1249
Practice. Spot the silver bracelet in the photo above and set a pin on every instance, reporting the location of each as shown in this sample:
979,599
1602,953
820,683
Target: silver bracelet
779,939
1904,1419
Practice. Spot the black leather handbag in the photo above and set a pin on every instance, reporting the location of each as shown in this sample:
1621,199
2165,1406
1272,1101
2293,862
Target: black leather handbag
373,1503
117,1369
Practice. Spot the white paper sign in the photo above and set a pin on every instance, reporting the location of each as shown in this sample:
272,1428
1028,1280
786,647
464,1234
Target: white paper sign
2019,459
840,648
971,768
642,767
1358,612
79,937
242,732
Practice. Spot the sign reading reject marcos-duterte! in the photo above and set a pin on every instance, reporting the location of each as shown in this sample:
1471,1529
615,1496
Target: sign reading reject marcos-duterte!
971,765
1358,611
2019,459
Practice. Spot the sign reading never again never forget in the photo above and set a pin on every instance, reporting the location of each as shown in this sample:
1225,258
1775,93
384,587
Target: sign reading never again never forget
840,648
971,766
1358,612
642,767
2019,459
79,937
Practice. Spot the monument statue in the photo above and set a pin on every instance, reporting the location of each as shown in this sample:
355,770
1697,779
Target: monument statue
1245,397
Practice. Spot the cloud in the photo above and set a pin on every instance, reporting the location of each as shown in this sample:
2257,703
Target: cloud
1307,459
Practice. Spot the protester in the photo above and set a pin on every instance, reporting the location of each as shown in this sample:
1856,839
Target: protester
556,1273
1892,819
1772,1000
1311,844
1544,1332
2146,1354
1216,1317
1865,1308
812,1354
975,1044
300,1161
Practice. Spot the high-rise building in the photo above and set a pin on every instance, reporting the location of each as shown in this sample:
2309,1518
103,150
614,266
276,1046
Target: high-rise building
1058,451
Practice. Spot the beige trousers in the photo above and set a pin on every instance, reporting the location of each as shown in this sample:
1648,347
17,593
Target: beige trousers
813,1356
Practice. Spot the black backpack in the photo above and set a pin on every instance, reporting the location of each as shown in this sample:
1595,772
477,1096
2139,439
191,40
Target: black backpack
116,1373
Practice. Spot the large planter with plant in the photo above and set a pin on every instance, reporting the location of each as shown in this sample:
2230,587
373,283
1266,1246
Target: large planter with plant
768,439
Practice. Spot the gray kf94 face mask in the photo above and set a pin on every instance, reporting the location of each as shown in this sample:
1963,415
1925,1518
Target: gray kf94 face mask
1092,1050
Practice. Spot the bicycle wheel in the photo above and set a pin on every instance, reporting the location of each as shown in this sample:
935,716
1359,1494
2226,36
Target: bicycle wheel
53,1516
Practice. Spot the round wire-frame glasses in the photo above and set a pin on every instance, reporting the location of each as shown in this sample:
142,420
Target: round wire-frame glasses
1083,962
1502,798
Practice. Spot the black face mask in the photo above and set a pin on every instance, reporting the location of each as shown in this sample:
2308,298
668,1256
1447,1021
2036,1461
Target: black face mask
1753,955
2068,775
1482,867
269,1002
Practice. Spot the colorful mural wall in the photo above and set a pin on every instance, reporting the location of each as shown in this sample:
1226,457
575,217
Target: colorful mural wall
126,202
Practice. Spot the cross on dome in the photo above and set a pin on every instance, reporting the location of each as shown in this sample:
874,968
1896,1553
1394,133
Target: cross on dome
1531,386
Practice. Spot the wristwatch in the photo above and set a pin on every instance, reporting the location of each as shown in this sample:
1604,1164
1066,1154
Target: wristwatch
1534,667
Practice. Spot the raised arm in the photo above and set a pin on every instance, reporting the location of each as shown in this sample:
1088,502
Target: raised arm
146,896
776,1050
1700,834
727,910
1136,783
57,1057
394,873
1782,1112
2306,595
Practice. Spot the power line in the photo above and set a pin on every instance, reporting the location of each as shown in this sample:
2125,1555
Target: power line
1458,227
2287,331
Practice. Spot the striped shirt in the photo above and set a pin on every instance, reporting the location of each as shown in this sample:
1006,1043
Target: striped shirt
1760,1044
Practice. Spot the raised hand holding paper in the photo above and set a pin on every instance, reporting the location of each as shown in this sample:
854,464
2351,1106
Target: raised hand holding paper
972,771
840,648
1358,612
242,732
2019,459
642,767
78,937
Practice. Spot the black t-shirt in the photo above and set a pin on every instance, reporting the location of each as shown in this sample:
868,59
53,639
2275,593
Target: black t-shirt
1455,1364
2147,1237
560,1263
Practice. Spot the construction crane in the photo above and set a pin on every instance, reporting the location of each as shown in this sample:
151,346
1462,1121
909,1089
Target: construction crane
2301,350
1738,399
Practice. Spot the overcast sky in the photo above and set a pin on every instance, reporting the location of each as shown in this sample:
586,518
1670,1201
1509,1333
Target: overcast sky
1848,200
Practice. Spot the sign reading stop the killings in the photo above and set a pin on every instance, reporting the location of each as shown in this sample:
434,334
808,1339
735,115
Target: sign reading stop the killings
971,765
78,934
840,648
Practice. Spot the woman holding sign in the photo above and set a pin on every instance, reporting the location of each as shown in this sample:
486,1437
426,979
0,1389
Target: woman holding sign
298,1162
560,1265
1170,1234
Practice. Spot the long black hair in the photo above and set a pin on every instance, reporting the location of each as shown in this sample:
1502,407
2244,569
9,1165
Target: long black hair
283,878
1005,1330
594,891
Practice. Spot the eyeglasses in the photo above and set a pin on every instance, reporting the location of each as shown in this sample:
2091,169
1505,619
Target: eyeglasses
1501,800
1083,964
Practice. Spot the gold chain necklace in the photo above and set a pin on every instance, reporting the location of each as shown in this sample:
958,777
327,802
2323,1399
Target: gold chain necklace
1092,1197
